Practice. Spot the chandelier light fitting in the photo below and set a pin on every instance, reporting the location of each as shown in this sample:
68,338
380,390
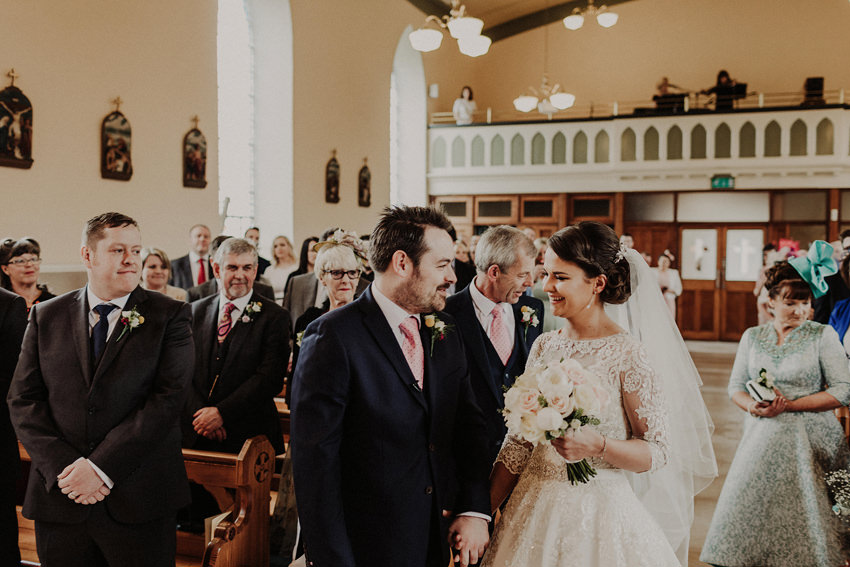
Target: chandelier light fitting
465,29
548,100
603,16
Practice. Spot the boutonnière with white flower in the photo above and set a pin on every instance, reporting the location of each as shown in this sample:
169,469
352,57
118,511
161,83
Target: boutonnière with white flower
251,311
130,319
438,329
529,319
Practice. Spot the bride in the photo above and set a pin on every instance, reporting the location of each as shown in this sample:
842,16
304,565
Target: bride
652,449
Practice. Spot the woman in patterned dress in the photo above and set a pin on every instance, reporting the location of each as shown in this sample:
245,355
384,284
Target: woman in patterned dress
549,522
774,509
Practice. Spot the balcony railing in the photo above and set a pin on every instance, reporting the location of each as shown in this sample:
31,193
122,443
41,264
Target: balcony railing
760,146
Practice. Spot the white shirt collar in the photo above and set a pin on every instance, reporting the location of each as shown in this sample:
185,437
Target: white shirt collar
394,314
119,302
484,308
194,257
240,303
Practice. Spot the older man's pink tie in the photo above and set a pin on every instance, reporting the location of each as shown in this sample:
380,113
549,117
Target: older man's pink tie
412,349
499,335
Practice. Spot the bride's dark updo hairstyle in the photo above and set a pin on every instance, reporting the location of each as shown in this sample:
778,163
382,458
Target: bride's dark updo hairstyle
594,247
783,281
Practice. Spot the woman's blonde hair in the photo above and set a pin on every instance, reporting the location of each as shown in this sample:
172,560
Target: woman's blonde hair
292,258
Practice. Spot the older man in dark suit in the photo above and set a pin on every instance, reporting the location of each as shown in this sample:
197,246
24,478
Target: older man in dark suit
13,321
96,401
385,433
241,351
497,321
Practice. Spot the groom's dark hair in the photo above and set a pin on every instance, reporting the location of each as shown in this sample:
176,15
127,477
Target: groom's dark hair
403,228
93,232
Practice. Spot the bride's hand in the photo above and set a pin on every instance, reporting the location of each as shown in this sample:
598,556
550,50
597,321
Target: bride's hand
577,445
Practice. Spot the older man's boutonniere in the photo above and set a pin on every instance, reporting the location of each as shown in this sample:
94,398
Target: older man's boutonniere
251,311
438,329
298,337
529,319
130,319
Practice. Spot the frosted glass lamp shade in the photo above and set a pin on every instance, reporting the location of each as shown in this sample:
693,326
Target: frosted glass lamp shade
525,103
574,22
607,19
466,27
425,39
474,46
562,101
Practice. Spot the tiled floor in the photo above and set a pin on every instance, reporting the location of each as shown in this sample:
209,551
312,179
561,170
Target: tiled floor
714,362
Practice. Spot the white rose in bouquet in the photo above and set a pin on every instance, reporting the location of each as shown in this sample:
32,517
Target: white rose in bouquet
549,419
586,399
529,430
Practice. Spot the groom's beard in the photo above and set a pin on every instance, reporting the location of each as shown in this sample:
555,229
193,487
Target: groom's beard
422,297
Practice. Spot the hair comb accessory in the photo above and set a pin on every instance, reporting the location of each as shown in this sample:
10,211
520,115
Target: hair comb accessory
815,266
621,253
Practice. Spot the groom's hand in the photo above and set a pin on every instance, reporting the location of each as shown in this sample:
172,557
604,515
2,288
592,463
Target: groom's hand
469,537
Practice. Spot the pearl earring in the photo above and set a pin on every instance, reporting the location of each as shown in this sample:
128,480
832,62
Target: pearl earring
592,297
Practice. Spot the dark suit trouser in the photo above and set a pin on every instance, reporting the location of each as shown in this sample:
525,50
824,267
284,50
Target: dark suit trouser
100,541
9,554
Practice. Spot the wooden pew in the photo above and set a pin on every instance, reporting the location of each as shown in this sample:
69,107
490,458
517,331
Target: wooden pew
241,538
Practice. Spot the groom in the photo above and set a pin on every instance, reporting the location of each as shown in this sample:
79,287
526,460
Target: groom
387,441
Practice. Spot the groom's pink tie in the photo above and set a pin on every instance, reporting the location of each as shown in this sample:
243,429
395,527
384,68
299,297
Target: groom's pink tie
412,349
499,335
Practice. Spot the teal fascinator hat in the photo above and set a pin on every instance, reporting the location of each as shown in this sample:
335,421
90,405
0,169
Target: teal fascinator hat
815,266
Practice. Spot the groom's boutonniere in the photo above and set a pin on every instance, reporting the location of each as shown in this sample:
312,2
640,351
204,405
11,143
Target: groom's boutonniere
529,319
251,310
130,319
438,328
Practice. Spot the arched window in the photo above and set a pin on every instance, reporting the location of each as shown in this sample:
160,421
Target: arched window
559,148
580,148
772,139
628,145
476,151
538,149
674,143
458,152
698,136
799,133
600,154
517,150
747,140
723,141
824,138
438,153
650,144
497,151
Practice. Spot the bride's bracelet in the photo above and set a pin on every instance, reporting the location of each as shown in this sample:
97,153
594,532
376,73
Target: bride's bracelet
750,409
601,454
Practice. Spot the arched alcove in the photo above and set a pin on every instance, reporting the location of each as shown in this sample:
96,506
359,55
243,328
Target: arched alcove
497,150
723,141
580,148
517,150
538,149
799,133
438,153
476,151
458,152
674,143
772,139
628,145
824,143
650,144
747,140
698,144
559,148
600,153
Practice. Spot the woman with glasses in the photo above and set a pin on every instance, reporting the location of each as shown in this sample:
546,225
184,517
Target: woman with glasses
20,262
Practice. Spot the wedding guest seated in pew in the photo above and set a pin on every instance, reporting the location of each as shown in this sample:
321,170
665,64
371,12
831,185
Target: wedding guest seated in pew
156,269
20,264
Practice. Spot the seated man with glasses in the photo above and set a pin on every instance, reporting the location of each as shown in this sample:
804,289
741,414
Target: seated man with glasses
338,268
20,264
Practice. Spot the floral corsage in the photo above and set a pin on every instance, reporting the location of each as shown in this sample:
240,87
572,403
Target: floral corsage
438,328
298,337
529,319
251,310
130,319
761,390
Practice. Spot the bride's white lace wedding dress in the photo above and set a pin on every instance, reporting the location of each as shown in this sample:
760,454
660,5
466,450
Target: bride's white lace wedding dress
549,522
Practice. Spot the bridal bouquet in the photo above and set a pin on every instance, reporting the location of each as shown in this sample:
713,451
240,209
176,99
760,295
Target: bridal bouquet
547,401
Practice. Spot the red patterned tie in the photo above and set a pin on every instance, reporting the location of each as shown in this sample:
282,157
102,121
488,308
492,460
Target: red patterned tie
225,323
499,335
202,272
412,349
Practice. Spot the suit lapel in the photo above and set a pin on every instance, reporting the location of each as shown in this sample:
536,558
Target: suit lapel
471,327
207,341
236,337
80,333
520,329
379,328
431,364
120,336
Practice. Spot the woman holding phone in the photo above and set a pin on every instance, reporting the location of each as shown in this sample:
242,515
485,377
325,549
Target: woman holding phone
774,508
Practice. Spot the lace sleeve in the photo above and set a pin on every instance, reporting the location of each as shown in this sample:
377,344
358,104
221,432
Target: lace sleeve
535,354
644,404
514,454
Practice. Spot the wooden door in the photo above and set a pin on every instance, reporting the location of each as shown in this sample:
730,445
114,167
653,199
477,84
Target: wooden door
719,268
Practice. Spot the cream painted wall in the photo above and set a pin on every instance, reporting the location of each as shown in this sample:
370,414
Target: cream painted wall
73,58
772,45
343,52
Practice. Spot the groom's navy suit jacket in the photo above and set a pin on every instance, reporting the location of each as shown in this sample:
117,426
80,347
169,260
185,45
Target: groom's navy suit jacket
375,458
122,412
487,372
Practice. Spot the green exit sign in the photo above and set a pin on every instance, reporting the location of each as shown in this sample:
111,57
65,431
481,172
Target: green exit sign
723,181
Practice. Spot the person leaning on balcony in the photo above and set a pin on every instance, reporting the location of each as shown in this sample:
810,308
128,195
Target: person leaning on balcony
464,107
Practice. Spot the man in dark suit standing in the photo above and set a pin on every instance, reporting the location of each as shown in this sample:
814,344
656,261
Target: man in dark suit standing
387,442
241,351
96,401
497,321
13,322
194,268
